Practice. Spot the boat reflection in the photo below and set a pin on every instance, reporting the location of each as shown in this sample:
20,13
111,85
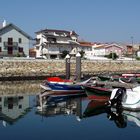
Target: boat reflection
12,108
120,117
48,105
95,107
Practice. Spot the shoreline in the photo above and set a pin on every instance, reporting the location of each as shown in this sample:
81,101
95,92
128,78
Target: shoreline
17,70
87,75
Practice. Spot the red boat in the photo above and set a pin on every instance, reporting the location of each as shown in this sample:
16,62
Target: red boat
59,80
131,74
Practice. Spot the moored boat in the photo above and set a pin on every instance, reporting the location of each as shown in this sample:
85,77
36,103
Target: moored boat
108,77
59,80
55,87
128,99
131,74
98,92
127,80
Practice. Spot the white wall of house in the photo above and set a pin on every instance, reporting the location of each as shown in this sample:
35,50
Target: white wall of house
99,52
25,42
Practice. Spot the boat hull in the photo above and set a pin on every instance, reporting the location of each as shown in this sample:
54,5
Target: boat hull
98,93
59,88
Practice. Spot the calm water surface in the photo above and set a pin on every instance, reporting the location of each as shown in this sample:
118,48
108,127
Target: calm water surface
24,114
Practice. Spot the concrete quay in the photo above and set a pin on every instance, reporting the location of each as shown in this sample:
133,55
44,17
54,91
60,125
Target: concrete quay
23,69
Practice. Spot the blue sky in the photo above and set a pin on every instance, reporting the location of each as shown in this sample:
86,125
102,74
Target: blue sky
93,20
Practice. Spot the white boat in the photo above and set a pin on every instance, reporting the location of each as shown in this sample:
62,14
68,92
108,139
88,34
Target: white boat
126,98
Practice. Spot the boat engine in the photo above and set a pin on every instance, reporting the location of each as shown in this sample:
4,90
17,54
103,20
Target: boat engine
117,97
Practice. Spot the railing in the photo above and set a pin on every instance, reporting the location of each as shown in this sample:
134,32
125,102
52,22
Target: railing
11,44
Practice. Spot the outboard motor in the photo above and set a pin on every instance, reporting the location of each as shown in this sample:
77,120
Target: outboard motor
117,97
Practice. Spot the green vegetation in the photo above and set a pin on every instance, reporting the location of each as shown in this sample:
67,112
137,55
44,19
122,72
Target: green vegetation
137,58
82,53
64,53
112,56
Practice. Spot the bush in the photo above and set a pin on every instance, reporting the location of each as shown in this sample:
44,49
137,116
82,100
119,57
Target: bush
17,55
137,58
82,53
64,53
112,56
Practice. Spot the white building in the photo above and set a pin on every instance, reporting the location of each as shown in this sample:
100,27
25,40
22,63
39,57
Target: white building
51,43
13,41
100,50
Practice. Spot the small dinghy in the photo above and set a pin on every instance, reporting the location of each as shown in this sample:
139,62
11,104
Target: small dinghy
128,99
127,80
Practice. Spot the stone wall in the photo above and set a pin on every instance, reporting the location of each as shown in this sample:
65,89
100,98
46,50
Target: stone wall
25,68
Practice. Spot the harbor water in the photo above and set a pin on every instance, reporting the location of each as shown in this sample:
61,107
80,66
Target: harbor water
24,114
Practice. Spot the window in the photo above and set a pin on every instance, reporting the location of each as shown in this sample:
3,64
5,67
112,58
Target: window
10,41
0,39
51,40
20,106
20,49
19,40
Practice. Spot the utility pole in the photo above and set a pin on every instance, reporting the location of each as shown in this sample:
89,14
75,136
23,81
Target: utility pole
132,47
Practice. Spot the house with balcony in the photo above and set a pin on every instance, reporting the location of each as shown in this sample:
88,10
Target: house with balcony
51,43
14,41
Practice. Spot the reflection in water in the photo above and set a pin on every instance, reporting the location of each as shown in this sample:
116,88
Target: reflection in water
120,117
59,105
15,103
94,107
19,87
14,99
13,108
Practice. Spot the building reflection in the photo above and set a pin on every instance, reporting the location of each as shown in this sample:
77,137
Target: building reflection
55,106
12,108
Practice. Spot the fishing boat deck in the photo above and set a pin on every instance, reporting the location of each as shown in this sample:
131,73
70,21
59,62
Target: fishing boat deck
117,84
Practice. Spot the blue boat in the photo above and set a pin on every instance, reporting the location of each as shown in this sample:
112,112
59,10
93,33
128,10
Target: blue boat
62,88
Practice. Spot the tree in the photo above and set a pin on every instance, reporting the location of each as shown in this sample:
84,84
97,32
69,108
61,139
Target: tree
82,53
64,53
112,55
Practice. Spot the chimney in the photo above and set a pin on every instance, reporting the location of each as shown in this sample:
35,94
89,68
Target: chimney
4,23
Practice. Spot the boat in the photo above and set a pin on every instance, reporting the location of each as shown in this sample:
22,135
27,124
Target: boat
128,99
56,87
98,92
108,77
59,80
59,87
127,80
131,74
104,77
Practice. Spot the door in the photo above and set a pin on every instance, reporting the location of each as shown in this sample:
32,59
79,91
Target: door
10,50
